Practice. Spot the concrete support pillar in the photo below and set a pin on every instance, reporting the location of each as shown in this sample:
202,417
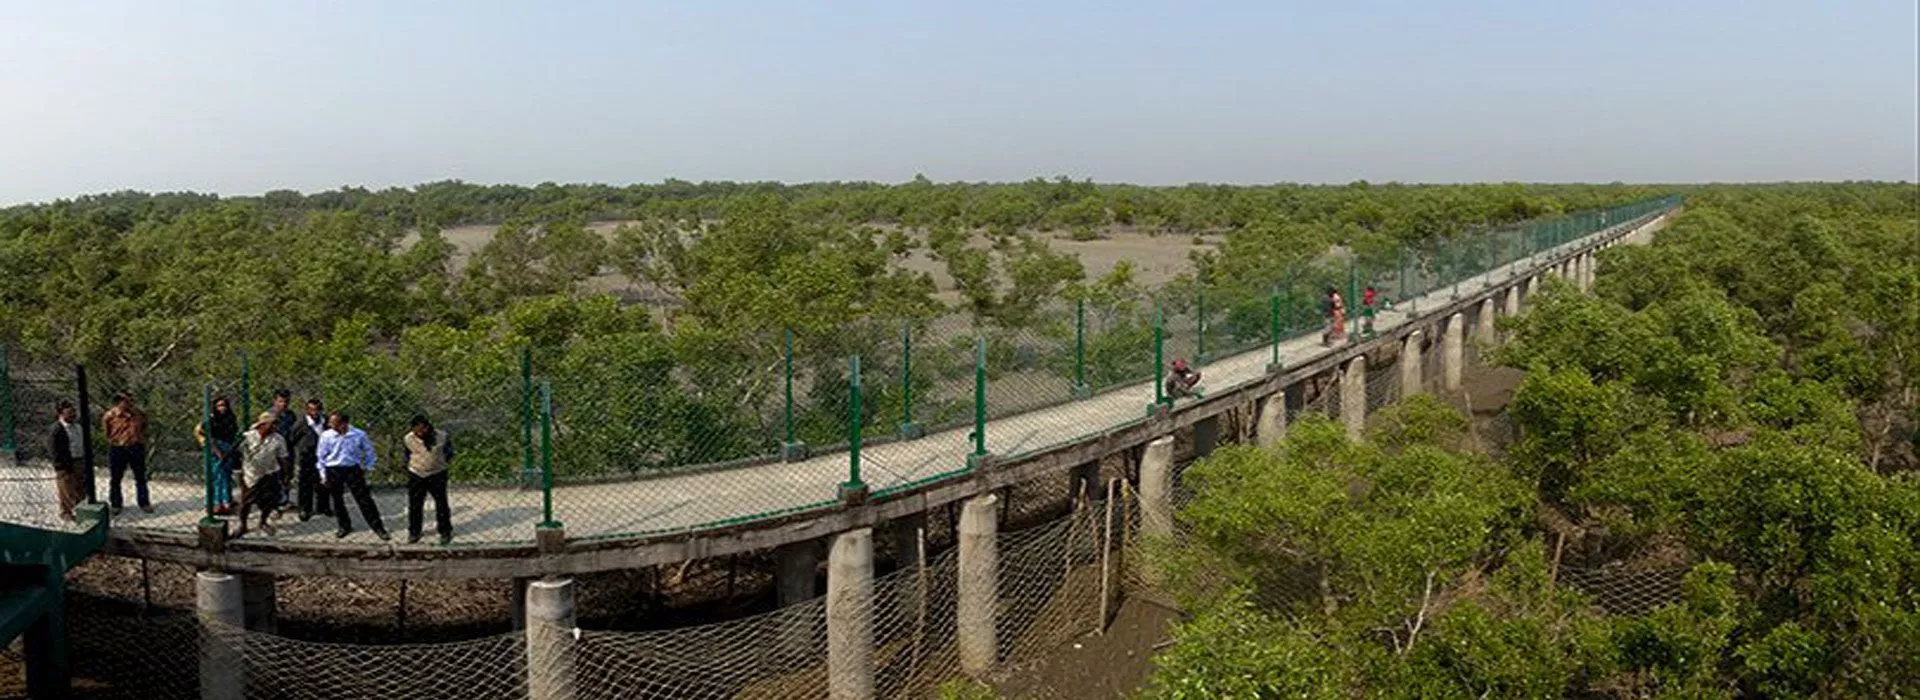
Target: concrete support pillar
850,616
1410,365
796,568
1271,427
1587,263
258,594
1453,356
1206,436
1483,327
979,584
1353,397
1156,488
222,606
903,538
517,603
1513,300
552,640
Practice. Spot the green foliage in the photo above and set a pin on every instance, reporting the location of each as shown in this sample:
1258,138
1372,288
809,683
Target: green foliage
1737,395
1234,650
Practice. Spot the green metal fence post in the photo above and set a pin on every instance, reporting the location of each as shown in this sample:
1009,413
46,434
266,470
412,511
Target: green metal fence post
1080,388
206,453
546,457
792,450
853,490
979,456
1273,330
1159,363
527,472
908,428
6,403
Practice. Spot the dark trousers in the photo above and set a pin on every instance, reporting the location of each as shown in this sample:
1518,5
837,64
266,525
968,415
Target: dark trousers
418,488
344,479
312,495
263,495
119,460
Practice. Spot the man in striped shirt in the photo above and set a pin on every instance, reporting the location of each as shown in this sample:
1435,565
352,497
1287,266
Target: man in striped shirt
345,456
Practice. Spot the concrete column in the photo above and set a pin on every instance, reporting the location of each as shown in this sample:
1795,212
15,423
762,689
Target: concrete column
979,584
795,573
258,599
1513,300
1587,263
1271,428
1353,397
1206,436
517,603
903,537
222,605
1483,328
1156,486
552,640
1410,365
850,616
797,566
1453,351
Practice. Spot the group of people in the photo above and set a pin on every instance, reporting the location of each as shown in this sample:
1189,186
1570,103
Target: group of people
1334,307
257,469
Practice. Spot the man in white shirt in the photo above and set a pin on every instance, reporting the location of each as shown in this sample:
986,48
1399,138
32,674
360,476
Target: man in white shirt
346,455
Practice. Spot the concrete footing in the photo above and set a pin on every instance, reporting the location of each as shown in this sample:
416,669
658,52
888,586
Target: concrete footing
1156,488
1271,426
220,602
552,640
850,616
979,584
1353,397
1453,352
1410,365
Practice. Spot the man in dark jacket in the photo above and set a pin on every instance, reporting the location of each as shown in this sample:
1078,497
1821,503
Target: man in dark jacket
283,422
64,445
304,438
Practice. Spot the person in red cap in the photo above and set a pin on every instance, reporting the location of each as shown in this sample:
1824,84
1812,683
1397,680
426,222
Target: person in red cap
1183,381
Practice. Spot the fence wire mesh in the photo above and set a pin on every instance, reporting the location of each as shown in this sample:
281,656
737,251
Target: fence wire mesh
649,434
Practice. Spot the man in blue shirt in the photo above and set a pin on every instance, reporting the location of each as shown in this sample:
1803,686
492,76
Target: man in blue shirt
345,456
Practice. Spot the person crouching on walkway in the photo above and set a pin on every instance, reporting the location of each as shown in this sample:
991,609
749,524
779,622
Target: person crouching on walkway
263,459
64,446
429,453
346,455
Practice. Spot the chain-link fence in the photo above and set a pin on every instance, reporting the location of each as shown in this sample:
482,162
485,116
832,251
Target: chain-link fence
644,434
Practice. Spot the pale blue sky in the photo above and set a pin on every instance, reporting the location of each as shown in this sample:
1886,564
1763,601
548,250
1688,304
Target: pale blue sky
241,97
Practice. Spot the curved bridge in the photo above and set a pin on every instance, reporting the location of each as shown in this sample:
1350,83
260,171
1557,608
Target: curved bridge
619,525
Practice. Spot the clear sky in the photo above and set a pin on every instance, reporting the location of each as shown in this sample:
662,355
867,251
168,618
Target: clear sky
242,97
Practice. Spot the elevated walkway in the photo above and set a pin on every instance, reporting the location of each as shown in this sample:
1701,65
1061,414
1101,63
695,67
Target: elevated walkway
717,512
